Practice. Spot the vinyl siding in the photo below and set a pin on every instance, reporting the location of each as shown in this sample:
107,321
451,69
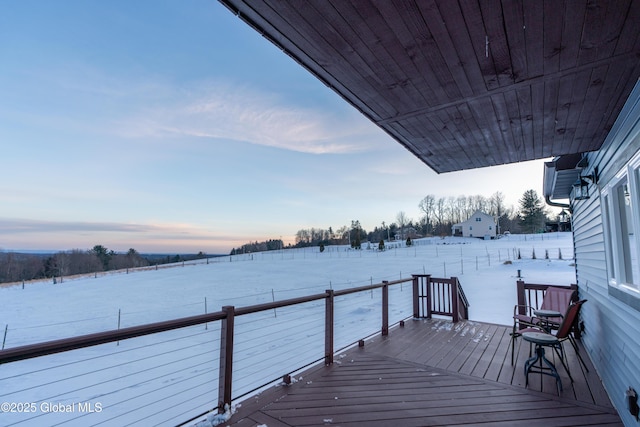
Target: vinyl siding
612,328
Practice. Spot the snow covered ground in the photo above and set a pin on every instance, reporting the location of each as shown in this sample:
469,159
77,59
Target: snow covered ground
133,381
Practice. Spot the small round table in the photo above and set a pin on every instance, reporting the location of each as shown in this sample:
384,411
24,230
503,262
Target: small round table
545,316
541,340
547,313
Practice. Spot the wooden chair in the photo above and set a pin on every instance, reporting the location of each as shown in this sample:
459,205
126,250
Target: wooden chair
556,300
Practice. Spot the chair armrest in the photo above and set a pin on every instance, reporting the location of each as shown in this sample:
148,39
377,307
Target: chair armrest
528,310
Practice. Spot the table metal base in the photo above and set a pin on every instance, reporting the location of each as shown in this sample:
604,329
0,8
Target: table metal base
549,369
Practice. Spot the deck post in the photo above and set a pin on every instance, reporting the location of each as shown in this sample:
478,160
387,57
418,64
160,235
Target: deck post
521,298
385,308
328,328
454,299
416,296
226,358
428,295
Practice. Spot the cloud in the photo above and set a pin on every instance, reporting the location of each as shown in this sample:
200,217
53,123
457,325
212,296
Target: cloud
10,226
17,226
241,114
90,101
62,235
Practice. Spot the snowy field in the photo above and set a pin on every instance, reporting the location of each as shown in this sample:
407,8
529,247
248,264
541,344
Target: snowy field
132,382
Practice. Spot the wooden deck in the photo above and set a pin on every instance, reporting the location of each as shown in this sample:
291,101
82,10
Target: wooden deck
433,373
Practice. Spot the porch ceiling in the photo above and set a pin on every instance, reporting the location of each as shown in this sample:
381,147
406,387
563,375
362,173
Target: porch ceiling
467,84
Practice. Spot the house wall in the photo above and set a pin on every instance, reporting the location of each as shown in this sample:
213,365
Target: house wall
473,228
611,327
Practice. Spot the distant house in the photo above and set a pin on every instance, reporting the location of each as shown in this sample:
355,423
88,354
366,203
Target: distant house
563,223
478,225
407,232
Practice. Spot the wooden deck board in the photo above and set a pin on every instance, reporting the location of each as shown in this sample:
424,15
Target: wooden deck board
481,368
432,373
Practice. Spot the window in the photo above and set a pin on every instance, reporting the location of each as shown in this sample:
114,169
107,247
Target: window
621,220
478,219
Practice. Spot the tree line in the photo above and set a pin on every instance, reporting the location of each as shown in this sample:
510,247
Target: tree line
16,267
268,245
438,215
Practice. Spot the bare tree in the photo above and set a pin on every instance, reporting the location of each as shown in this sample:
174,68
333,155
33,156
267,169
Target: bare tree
497,208
9,268
342,232
460,209
450,210
479,203
402,219
440,213
303,236
427,206
62,262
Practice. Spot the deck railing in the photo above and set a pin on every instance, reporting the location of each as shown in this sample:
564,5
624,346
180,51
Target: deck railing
532,294
439,296
213,330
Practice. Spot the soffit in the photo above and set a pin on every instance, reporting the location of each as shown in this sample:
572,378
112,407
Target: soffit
467,84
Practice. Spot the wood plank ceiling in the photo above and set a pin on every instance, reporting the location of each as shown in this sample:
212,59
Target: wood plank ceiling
469,83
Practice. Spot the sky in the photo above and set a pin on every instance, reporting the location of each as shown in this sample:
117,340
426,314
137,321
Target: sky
174,127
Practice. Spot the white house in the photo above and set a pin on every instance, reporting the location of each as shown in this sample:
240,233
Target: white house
478,225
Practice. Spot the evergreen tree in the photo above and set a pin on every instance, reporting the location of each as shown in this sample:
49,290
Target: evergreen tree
357,244
356,229
532,213
103,254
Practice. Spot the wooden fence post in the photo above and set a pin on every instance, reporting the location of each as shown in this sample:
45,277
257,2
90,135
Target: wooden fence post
385,308
226,358
328,328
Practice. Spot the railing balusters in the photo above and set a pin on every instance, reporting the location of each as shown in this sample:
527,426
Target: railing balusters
439,296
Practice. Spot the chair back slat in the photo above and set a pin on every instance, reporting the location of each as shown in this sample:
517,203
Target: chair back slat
557,299
570,318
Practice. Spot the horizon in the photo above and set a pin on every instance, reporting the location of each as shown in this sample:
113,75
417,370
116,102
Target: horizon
55,251
178,128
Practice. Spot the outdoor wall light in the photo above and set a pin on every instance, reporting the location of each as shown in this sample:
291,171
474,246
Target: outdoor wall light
581,189
581,186
592,177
